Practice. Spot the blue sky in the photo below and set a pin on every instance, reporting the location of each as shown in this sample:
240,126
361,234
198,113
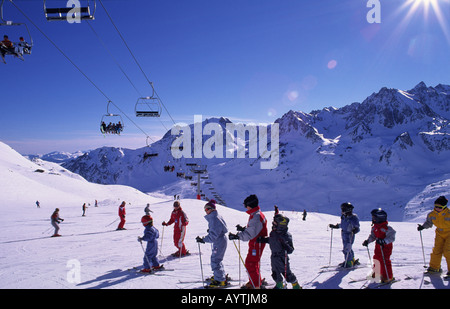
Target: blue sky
248,60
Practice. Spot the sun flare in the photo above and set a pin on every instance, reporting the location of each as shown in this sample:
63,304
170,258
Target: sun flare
426,6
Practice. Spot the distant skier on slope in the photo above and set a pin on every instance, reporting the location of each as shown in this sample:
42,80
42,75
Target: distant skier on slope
122,214
84,208
151,234
147,209
181,220
349,227
384,236
440,217
55,220
217,229
280,242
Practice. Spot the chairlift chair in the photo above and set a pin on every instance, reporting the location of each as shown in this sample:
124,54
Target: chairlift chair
19,48
86,11
113,119
148,107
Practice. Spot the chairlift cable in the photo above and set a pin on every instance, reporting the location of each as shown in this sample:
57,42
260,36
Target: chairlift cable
135,60
119,66
112,56
77,67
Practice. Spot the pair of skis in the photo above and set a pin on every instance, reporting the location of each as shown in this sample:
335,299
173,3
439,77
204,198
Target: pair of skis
138,270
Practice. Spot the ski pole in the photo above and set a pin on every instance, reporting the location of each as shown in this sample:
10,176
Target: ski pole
112,222
423,251
243,263
285,268
162,239
201,264
368,253
47,230
348,251
239,243
331,246
384,261
145,255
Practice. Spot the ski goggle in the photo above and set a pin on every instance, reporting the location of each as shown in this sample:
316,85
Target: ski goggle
439,206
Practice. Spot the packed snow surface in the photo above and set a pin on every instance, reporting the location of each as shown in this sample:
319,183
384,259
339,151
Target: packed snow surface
92,254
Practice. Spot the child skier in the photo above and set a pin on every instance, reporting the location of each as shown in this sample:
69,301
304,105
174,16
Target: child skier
151,234
349,227
384,236
55,220
180,219
217,229
440,217
256,227
280,242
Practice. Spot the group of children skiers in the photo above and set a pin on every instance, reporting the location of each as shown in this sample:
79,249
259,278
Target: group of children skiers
280,241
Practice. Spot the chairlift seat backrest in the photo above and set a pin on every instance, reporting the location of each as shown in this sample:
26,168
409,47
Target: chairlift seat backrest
62,13
147,114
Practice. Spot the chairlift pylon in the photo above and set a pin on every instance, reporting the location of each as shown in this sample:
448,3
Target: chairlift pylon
72,13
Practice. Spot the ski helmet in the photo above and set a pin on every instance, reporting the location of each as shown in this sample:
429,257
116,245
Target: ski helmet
147,220
347,208
280,222
378,215
441,201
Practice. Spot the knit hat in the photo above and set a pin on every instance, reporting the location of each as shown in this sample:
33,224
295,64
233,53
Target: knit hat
251,201
441,201
210,205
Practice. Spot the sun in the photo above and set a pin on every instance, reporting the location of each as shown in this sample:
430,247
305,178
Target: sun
426,6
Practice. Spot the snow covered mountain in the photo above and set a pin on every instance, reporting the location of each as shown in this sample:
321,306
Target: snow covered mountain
379,153
56,156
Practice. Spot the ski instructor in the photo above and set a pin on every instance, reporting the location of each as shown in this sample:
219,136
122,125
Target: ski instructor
256,227
180,219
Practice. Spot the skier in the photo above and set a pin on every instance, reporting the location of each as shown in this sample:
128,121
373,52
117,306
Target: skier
280,243
304,215
38,205
180,219
122,214
55,220
147,209
349,227
440,217
217,229
384,235
256,227
84,207
151,234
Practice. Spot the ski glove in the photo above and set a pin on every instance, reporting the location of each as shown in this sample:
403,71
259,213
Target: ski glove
420,227
232,236
365,243
240,228
199,239
381,242
334,226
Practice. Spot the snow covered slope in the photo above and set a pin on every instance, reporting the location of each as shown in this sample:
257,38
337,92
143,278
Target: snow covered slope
91,248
